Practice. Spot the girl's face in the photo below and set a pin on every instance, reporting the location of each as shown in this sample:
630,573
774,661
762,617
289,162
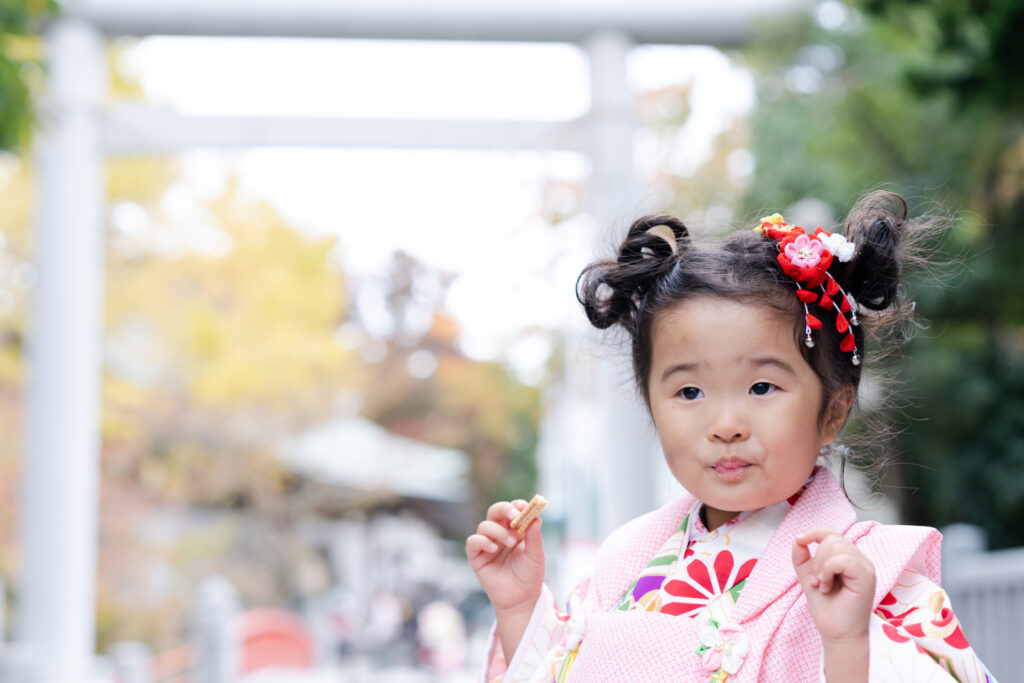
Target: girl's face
736,405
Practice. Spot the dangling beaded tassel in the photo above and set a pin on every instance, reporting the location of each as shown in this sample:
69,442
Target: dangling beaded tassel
845,326
853,305
808,318
853,319
839,314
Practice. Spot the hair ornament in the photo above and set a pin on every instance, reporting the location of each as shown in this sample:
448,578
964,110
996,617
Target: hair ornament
666,233
805,258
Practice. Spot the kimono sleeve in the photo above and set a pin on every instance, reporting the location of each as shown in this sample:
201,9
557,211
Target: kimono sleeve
547,641
915,636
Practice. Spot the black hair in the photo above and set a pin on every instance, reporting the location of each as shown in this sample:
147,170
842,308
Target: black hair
652,274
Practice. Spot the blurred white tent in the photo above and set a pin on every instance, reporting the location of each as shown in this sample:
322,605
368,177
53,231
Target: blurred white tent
355,453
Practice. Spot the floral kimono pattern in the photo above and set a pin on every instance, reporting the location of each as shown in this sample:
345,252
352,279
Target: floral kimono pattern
700,575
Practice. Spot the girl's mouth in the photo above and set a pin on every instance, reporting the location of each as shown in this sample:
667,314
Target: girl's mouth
731,468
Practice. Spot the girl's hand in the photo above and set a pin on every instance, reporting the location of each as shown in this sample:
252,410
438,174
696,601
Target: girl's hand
508,564
839,583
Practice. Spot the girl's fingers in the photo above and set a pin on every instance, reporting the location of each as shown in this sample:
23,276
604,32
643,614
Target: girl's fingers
504,512
835,562
811,568
499,511
803,564
498,533
851,570
801,553
829,543
825,581
477,544
816,536
494,539
802,545
533,543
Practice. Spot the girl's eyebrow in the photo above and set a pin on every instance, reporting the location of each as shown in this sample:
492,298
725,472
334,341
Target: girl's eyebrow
774,362
757,362
678,367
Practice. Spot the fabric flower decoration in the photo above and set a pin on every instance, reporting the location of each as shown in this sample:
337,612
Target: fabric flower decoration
776,227
774,219
805,251
804,258
840,247
722,646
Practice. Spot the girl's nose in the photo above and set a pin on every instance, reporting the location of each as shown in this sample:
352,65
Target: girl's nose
728,428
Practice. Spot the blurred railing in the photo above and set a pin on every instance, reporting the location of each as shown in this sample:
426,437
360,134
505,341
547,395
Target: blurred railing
986,590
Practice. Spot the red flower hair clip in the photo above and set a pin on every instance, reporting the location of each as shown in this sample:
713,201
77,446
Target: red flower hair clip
805,258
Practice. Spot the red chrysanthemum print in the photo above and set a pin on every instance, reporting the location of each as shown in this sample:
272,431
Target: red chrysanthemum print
703,583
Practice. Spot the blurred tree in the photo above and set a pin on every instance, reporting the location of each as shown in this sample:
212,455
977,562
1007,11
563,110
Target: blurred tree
20,68
222,335
220,340
924,95
16,277
972,49
209,328
228,329
425,388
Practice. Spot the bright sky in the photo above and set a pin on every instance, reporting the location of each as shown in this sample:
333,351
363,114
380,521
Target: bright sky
474,214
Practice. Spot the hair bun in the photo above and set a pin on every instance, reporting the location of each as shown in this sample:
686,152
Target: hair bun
875,225
655,237
610,289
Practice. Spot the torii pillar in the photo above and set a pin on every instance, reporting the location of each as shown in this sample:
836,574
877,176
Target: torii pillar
60,459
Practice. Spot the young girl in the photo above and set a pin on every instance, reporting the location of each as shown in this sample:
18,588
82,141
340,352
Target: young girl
748,355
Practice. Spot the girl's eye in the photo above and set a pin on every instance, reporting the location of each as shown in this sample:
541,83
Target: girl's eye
691,393
762,388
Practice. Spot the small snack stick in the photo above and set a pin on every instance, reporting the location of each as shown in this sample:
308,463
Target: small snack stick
528,513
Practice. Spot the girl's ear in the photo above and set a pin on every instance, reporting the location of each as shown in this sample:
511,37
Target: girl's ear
838,410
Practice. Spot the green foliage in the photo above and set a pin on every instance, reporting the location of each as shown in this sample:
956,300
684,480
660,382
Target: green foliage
974,51
860,124
923,98
967,377
19,18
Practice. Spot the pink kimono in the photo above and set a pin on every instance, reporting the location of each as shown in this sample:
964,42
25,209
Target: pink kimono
768,633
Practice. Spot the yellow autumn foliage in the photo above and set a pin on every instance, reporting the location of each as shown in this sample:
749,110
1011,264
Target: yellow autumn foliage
254,324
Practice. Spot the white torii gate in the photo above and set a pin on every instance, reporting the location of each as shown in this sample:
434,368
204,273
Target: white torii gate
59,500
